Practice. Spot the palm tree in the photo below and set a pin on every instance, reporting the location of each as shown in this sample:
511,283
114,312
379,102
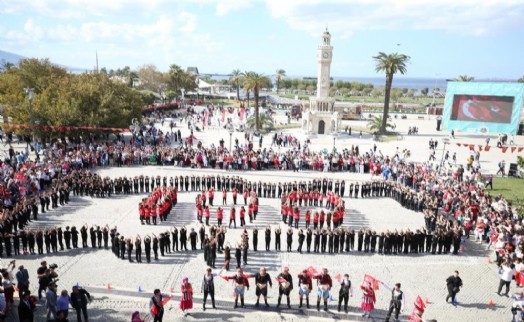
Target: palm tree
254,81
375,124
278,76
235,78
265,120
521,80
464,78
390,64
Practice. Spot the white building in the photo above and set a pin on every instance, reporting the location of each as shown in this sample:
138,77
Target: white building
320,117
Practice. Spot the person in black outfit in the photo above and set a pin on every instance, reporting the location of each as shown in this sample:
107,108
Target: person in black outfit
26,308
285,286
147,248
345,291
79,300
309,235
268,237
454,283
208,288
262,279
277,238
289,239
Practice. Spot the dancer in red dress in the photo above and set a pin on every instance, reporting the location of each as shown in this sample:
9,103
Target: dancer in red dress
368,299
186,302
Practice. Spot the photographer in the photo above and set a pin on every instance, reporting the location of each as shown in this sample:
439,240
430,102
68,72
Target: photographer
22,277
45,276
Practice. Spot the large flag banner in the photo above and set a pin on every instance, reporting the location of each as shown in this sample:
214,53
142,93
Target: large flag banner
373,281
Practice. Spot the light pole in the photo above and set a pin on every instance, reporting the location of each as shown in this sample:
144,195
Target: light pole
334,139
230,139
30,95
445,141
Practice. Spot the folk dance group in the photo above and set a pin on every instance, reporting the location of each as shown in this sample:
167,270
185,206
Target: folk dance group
157,205
305,286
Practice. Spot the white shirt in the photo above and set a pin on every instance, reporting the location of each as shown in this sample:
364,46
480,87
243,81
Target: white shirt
506,273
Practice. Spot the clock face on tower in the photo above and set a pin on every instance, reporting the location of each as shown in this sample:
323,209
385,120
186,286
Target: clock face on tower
325,54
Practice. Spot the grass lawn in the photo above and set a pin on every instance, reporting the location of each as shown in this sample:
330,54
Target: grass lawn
511,188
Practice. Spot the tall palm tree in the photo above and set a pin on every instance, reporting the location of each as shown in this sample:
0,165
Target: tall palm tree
278,76
255,81
464,78
521,80
375,124
390,64
236,74
265,120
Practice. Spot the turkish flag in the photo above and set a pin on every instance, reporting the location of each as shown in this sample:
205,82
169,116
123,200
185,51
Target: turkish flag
471,147
504,149
480,147
223,115
419,302
520,149
311,271
242,112
459,144
373,281
414,318
281,280
154,310
338,278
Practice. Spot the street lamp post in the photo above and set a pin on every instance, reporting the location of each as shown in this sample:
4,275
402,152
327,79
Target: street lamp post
230,139
445,142
30,95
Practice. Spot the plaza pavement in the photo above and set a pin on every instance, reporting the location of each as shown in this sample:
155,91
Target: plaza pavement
422,275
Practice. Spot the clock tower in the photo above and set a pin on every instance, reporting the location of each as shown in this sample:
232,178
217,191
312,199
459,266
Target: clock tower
321,117
324,57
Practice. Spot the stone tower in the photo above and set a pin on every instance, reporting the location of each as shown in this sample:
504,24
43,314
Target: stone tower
320,117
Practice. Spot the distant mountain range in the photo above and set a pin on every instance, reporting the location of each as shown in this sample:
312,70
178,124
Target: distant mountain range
7,57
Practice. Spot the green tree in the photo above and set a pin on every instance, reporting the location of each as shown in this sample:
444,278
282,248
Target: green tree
521,80
265,122
178,79
390,64
236,76
464,78
424,92
375,124
255,81
278,77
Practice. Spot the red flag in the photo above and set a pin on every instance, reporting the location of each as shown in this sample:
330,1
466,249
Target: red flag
459,144
520,149
480,147
223,114
419,302
281,280
504,149
471,147
487,147
338,278
414,318
311,271
241,113
225,264
513,148
154,310
373,281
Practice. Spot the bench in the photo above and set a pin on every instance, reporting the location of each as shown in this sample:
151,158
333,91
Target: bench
420,117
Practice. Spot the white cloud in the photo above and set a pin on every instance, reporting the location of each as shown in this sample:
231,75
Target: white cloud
345,17
224,7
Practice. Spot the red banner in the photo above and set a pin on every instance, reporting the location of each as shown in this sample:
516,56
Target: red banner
373,281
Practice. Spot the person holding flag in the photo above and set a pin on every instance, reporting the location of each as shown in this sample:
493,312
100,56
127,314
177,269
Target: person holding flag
324,283
397,301
285,281
368,295
241,283
305,285
346,290
157,302
262,279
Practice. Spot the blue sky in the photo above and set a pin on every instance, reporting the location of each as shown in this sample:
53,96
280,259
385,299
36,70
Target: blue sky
444,38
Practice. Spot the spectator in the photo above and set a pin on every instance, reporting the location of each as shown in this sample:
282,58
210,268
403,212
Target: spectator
62,307
79,300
